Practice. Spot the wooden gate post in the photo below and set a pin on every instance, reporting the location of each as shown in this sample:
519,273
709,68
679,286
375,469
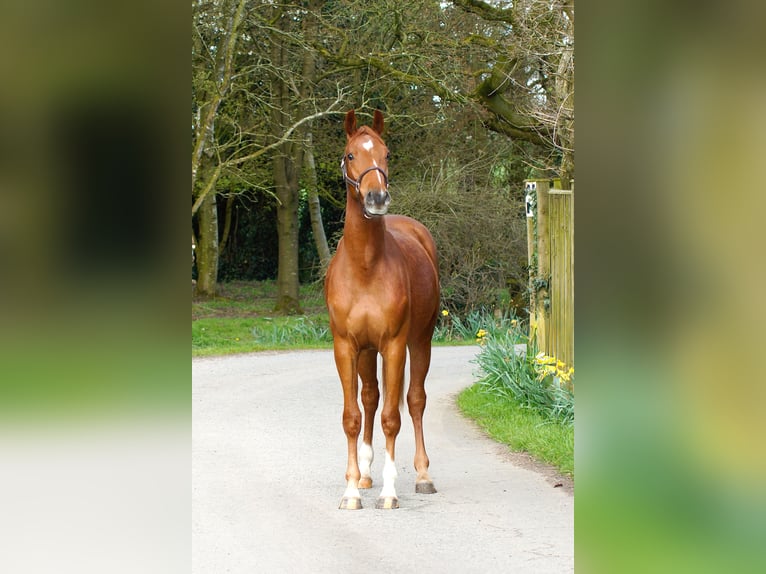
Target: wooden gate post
539,300
530,206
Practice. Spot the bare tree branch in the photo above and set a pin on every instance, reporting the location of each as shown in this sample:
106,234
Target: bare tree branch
235,161
205,128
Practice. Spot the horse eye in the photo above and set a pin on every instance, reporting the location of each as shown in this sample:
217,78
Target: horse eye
350,156
388,155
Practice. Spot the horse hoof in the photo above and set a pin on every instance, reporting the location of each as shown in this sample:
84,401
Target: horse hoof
387,503
365,482
425,488
347,503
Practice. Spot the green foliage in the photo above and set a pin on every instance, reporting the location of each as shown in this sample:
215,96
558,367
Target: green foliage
520,379
452,328
295,332
251,250
519,400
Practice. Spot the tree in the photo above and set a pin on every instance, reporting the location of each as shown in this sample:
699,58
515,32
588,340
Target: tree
239,115
528,85
217,30
516,62
435,68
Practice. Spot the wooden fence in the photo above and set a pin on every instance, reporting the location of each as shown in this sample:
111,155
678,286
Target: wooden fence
550,241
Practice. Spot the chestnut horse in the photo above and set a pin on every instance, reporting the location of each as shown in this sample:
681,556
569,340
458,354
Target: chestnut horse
382,292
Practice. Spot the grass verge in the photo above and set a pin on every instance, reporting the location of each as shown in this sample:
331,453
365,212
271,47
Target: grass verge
241,319
223,336
522,429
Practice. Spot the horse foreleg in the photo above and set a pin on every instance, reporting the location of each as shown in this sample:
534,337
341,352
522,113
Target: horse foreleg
391,421
368,367
345,361
420,360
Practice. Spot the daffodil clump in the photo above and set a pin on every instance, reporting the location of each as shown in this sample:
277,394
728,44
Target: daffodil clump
535,381
481,335
550,366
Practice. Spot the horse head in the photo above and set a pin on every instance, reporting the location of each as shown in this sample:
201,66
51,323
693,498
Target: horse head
365,164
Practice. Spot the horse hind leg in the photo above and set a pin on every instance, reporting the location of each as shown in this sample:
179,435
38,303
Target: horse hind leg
420,360
368,367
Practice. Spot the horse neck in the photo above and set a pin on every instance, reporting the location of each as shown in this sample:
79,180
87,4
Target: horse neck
364,238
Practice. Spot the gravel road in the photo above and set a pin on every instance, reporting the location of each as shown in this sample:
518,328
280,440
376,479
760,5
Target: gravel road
269,456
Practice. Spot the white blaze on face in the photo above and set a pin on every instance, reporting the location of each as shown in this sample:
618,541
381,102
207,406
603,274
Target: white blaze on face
368,144
365,459
389,477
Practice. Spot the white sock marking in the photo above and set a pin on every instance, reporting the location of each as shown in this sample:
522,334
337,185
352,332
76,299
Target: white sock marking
365,459
351,490
389,477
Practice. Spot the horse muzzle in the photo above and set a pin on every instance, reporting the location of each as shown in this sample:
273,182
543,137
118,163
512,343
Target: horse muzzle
377,202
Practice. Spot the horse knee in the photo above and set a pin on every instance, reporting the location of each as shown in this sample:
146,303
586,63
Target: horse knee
391,423
352,423
416,401
370,395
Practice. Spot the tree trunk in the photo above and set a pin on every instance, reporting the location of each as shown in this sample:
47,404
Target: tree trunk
207,247
566,171
315,210
226,225
310,31
287,162
288,282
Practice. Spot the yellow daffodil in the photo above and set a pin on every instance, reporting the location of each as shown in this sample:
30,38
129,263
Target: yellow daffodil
543,359
445,313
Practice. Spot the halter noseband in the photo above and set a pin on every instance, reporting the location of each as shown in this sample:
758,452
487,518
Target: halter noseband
358,181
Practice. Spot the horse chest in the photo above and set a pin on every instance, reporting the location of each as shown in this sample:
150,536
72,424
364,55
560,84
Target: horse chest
370,306
375,302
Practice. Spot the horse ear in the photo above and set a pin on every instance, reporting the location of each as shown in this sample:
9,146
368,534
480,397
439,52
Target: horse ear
377,122
350,124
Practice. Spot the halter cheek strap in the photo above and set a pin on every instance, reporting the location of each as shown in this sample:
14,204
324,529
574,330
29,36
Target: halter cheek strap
358,181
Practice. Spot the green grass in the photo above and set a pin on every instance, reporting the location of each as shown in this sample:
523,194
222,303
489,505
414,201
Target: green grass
239,299
222,336
241,319
522,429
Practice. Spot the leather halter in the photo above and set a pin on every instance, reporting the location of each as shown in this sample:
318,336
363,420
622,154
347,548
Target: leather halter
358,181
